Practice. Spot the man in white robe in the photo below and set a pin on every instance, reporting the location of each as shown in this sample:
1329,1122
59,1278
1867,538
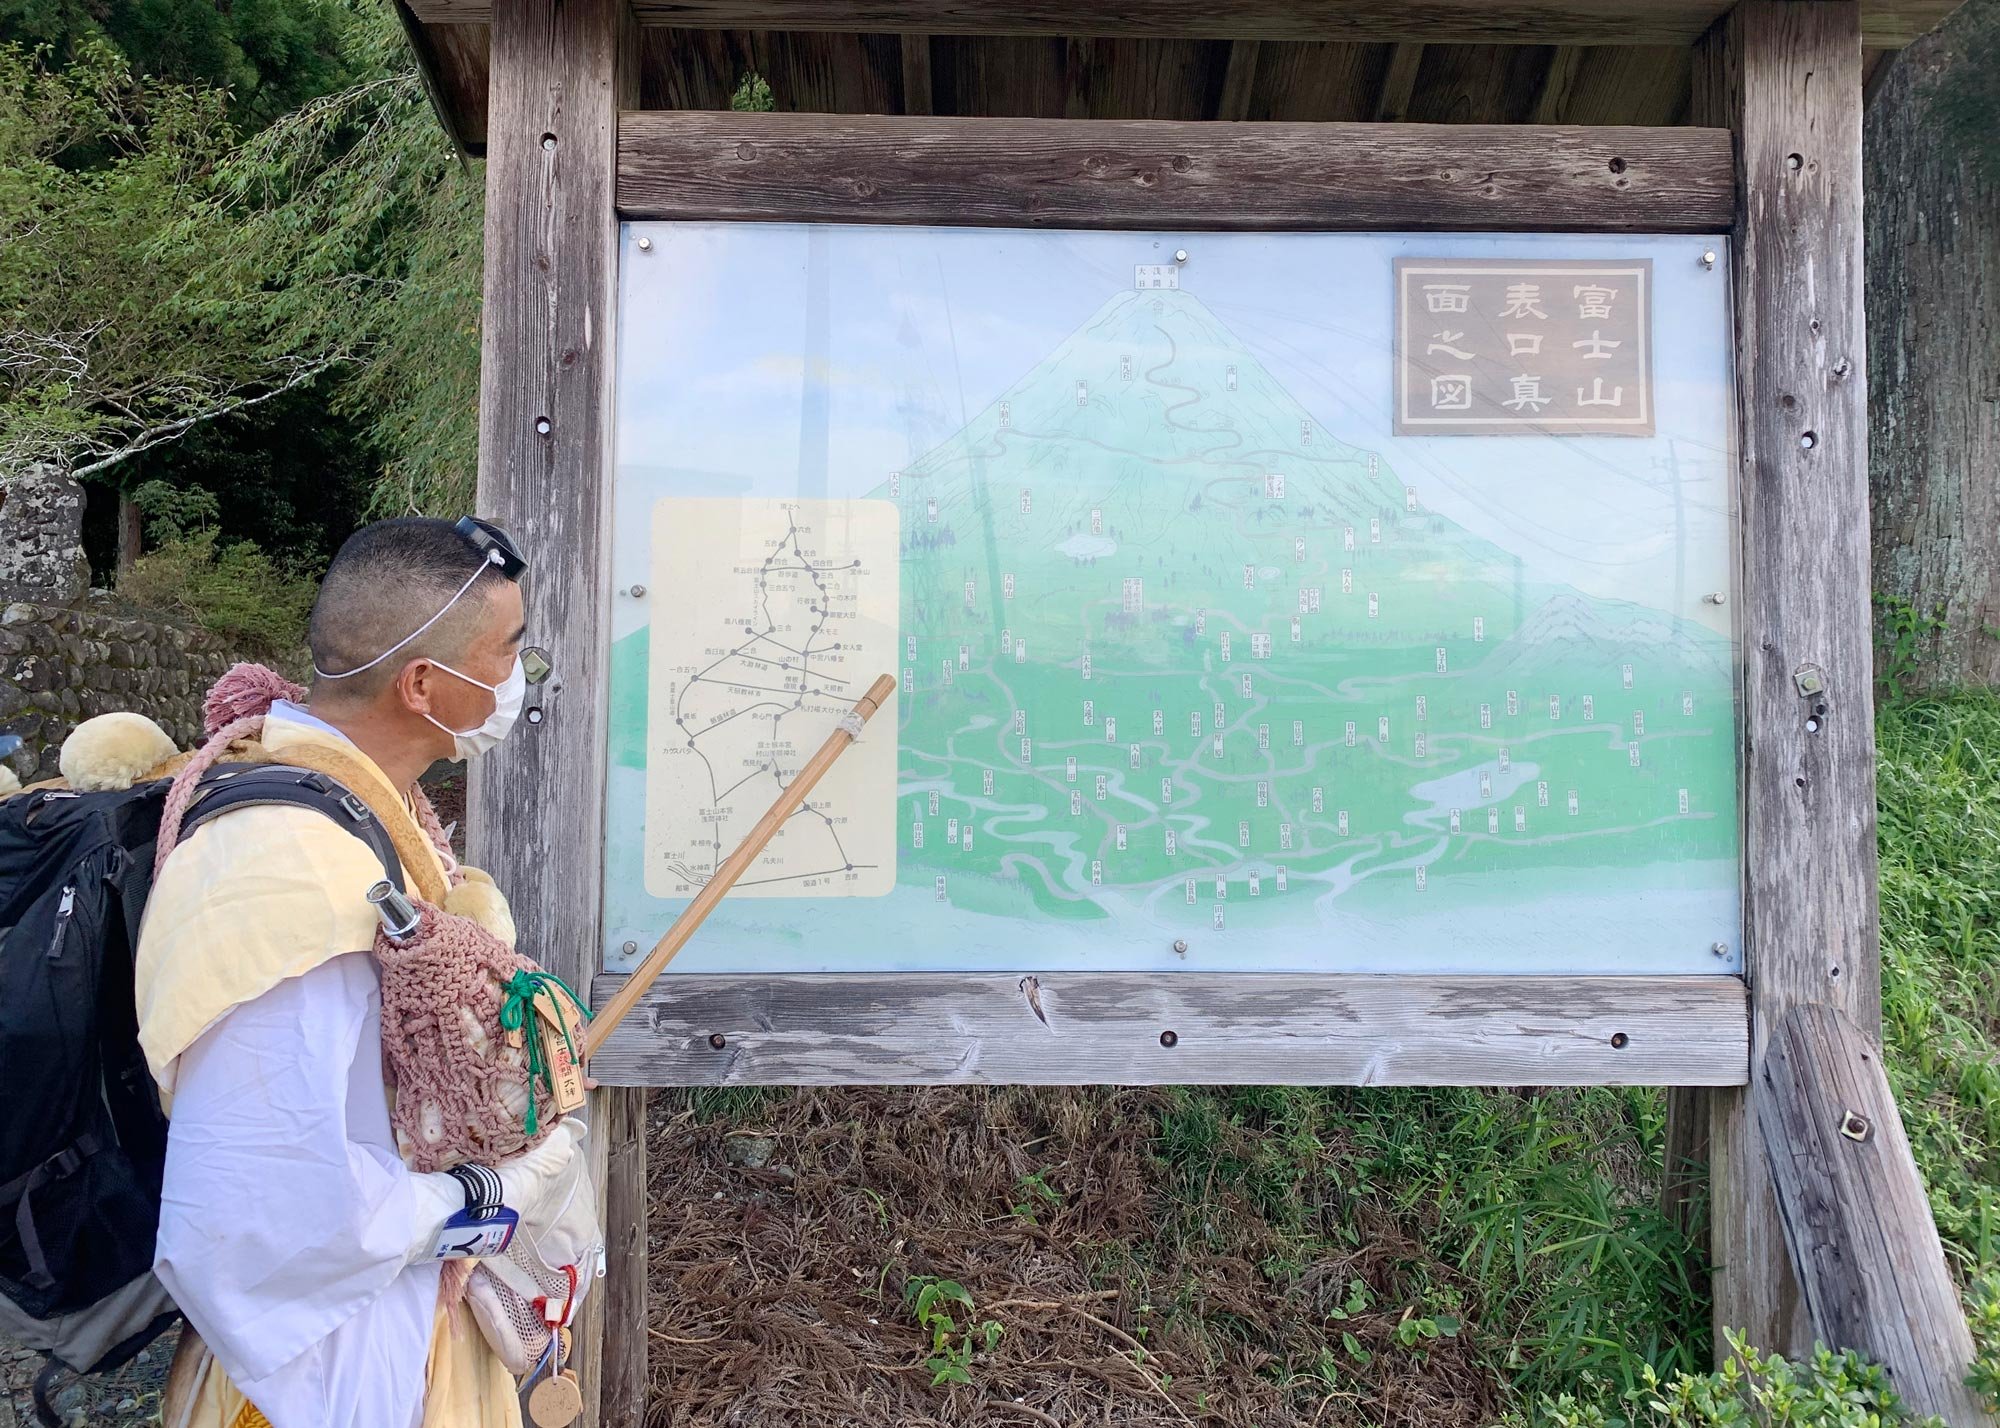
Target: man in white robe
292,1234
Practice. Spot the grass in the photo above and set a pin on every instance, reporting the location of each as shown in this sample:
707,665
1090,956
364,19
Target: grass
1262,1255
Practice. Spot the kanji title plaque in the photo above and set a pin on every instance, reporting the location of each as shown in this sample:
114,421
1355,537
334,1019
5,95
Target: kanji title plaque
1523,347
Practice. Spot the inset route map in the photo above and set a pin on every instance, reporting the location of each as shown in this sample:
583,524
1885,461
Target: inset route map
772,617
1200,665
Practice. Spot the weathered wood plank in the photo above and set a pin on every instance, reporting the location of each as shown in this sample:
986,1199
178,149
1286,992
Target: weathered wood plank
1399,82
1135,174
1887,24
561,72
1316,83
1239,82
1684,1160
1552,95
1856,1217
917,74
623,1398
1787,78
1140,1028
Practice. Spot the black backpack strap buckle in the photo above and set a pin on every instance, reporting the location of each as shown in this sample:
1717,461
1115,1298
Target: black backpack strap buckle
231,786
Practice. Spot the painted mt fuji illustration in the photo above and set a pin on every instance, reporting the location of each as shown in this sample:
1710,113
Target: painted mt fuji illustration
1170,644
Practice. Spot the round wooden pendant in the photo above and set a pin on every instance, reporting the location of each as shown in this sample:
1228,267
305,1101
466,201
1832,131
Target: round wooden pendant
556,1401
563,1337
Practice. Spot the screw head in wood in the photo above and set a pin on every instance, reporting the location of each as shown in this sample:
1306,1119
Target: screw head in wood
637,591
1619,1041
543,426
1180,255
630,948
645,245
1720,949
1856,1127
1180,945
1168,1038
1708,259
533,716
717,1040
1716,597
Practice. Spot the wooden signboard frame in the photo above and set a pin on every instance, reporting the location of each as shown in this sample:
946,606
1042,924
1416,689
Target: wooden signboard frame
1777,168
1191,1027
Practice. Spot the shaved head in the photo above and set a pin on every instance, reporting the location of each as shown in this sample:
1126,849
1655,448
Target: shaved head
385,582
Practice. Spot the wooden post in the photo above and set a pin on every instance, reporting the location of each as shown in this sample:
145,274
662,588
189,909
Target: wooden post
1870,1264
1785,75
561,71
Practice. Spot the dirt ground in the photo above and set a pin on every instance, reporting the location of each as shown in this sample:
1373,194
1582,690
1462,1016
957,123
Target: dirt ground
788,1229
125,1399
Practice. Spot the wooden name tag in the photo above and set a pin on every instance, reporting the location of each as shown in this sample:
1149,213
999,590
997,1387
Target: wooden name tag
565,1071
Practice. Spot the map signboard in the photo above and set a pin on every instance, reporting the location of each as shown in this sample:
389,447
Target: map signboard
1210,658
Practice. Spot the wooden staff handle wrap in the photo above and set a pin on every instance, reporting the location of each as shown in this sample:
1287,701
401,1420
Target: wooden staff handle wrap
736,864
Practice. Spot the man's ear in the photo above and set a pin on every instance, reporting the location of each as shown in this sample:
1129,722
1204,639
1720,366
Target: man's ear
414,685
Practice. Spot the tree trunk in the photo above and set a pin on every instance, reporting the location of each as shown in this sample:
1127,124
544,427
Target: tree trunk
131,533
1932,171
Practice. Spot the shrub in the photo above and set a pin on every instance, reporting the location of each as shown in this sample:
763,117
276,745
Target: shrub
1827,1391
233,589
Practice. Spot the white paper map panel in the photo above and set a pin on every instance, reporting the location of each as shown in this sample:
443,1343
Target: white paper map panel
770,618
1203,665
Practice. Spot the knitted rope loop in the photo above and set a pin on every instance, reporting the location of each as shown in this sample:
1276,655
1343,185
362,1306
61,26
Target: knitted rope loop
517,1006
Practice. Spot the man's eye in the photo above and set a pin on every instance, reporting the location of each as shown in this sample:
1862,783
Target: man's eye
535,665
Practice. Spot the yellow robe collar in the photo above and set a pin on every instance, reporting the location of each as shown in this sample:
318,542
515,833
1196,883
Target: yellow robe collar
258,896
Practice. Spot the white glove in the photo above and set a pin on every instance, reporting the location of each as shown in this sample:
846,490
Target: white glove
528,1186
528,1180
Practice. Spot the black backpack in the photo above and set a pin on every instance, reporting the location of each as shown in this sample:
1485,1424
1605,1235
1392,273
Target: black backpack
82,1139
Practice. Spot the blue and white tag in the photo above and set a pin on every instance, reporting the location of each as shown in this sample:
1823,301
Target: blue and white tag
478,1234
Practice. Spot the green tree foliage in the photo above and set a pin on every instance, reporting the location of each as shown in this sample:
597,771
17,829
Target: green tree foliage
358,224
112,343
157,272
270,56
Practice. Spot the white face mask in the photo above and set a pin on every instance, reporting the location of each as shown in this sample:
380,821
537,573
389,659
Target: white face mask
507,697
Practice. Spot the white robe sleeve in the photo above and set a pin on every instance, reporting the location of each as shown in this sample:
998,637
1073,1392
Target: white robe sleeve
287,1217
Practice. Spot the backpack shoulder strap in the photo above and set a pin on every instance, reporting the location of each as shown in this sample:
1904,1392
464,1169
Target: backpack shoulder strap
348,772
232,786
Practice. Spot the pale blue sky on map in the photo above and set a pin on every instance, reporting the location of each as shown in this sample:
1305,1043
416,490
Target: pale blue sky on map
925,327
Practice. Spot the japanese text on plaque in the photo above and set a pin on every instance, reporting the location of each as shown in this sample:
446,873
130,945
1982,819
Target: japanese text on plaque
1515,347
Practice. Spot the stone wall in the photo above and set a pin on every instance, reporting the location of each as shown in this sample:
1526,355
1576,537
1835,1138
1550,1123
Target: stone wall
61,664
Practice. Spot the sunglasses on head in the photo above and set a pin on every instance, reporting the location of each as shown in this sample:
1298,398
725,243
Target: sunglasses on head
491,540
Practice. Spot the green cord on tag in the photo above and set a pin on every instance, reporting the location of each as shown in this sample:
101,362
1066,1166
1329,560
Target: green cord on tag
519,995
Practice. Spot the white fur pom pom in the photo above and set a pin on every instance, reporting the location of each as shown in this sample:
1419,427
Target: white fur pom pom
10,782
112,751
479,900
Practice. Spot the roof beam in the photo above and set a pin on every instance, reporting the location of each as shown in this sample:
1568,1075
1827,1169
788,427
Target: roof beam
1885,24
1097,173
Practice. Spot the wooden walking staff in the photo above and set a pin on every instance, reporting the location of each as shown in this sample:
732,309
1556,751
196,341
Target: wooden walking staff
735,865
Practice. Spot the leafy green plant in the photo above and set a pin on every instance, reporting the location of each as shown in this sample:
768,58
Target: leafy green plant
952,1348
1902,634
753,96
1035,1191
1827,1391
1983,1312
